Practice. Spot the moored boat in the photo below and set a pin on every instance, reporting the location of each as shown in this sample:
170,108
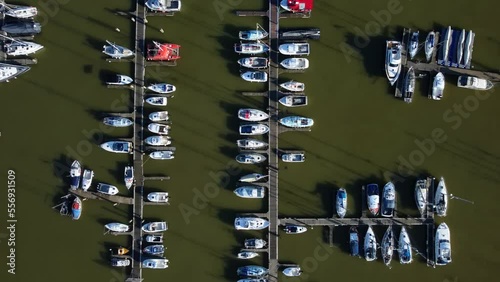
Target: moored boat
87,177
293,100
446,43
292,271
120,79
163,52
460,46
441,198
468,48
409,85
255,243
252,177
421,191
121,251
116,51
293,157
475,83
251,48
247,255
294,49
354,241
387,246
159,116
250,192
295,63
404,248
8,71
157,101
162,155
19,12
253,280
250,158
294,229
388,200
162,88
75,174
430,45
254,129
250,223
120,262
76,208
117,227
163,6
21,48
117,121
252,115
393,60
158,197
154,250
153,227
252,271
117,146
254,62
22,28
341,202
159,128
438,86
161,263
312,33
294,86
373,198
254,76
442,245
413,46
370,245
158,140
251,144
296,122
128,176
154,238
107,189
252,35
297,6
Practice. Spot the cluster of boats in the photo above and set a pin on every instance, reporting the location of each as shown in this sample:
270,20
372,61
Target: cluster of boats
155,51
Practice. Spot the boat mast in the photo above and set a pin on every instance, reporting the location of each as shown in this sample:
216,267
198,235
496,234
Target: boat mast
10,38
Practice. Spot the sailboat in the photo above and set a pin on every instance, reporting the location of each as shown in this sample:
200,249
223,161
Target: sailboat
443,245
409,85
294,86
292,271
116,51
430,45
20,12
438,86
441,199
250,192
387,247
421,191
413,47
446,43
370,245
460,46
247,255
21,48
404,248
468,48
252,177
8,71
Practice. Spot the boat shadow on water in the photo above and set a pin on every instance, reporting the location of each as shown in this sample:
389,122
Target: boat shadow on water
118,173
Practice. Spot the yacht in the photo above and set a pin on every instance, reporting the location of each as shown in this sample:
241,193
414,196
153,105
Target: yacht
460,46
251,48
155,263
117,121
430,45
294,229
387,247
250,223
247,255
250,158
254,243
295,63
294,49
21,48
421,191
373,198
162,155
251,144
253,35
393,60
446,43
293,158
388,200
107,189
8,71
128,176
409,85
154,238
117,227
22,28
370,245
254,129
117,147
341,202
438,86
159,128
157,101
164,6
120,79
293,100
441,198
158,140
120,262
413,46
158,197
75,174
252,115
116,51
87,177
153,227
475,83
162,88
293,86
156,250
354,241
443,245
254,76
19,12
250,192
252,271
292,271
254,62
252,177
296,122
404,248
159,116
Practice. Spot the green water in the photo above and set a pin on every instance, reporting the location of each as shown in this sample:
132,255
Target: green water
50,116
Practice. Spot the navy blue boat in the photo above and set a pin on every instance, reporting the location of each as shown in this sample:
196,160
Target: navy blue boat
373,198
75,175
354,241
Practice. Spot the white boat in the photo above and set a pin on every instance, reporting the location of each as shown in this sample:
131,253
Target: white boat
413,46
430,45
252,271
120,262
393,60
468,48
252,177
250,158
443,245
117,227
20,12
254,76
117,147
446,43
128,176
404,247
255,243
421,191
294,229
116,51
158,197
162,155
295,63
438,86
153,227
250,192
293,100
370,245
154,238
292,271
162,88
21,48
409,85
120,79
87,177
251,144
252,35
475,83
293,158
251,48
250,223
159,128
158,140
156,250
117,121
293,86
388,200
387,246
8,71
253,280
75,173
460,46
159,116
373,198
341,202
164,6
247,255
157,101
254,62
252,115
107,189
155,263
254,129
441,199
294,49
296,122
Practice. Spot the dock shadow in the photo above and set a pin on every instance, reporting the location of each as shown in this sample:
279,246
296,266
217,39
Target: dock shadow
118,171
341,238
327,191
61,167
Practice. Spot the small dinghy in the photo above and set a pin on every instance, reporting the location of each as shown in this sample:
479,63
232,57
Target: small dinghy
251,48
120,262
252,177
251,144
409,85
128,176
252,271
254,129
116,51
460,47
253,35
475,83
158,128
107,189
388,200
21,48
158,197
76,208
19,12
120,79
373,198
117,227
292,271
413,46
354,241
294,229
75,173
162,155
441,199
293,158
295,63
154,250
247,255
250,158
87,177
117,121
370,245
252,115
296,122
438,86
158,140
254,62
159,116
293,100
250,192
393,60
157,263
254,76
430,45
162,88
387,247
250,223
153,227
421,191
154,238
404,248
157,101
293,86
341,202
254,243
294,49
117,146
443,245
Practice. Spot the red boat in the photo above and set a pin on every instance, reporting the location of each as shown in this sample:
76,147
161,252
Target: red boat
297,6
163,52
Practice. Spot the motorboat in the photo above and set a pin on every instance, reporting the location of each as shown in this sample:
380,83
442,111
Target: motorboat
8,71
76,208
443,245
253,280
475,83
121,251
162,155
117,121
255,243
468,48
247,255
156,263
158,140
438,86
441,199
154,250
128,176
421,191
253,35
250,223
107,189
19,12
370,245
404,248
387,246
373,198
153,227
75,173
116,51
254,62
354,241
120,79
297,6
293,86
159,116
446,43
163,52
87,177
460,46
157,101
117,146
292,271
295,63
252,177
162,88
293,100
154,238
159,128
252,271
293,158
120,262
117,227
21,48
294,229
254,129
251,48
430,45
296,122
252,115
250,158
294,49
22,28
409,85
393,60
251,144
158,197
413,46
250,192
164,6
341,202
312,33
254,76
388,200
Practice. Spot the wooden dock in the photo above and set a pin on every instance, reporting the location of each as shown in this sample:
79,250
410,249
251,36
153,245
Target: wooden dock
252,13
99,196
